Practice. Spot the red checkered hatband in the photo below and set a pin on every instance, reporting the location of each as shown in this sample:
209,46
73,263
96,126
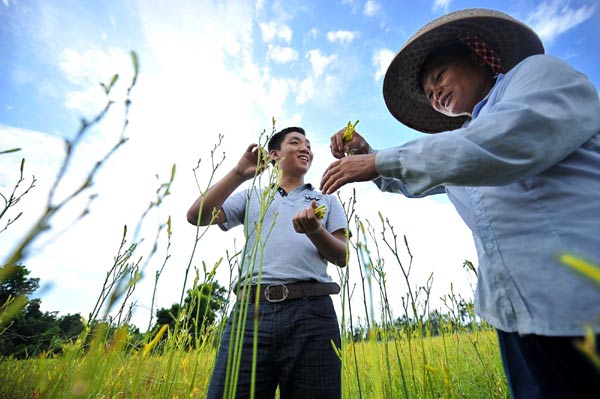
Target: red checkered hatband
483,50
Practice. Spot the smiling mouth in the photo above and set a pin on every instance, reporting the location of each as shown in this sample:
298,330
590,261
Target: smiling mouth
446,100
304,158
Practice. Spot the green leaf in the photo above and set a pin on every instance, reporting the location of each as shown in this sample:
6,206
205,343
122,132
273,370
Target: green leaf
136,64
9,151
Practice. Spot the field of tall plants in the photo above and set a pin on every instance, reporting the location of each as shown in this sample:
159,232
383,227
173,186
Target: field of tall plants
419,353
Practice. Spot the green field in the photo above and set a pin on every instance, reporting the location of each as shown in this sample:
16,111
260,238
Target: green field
459,365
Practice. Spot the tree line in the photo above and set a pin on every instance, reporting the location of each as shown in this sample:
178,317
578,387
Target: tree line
26,331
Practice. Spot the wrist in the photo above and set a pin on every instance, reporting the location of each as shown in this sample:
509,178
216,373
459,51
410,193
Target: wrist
238,175
314,232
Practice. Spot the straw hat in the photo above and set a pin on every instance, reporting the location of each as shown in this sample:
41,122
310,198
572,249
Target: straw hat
511,39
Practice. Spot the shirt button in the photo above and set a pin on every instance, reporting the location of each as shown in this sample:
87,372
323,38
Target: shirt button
489,245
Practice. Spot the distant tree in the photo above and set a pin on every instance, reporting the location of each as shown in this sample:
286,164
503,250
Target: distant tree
70,326
167,316
198,313
14,282
30,331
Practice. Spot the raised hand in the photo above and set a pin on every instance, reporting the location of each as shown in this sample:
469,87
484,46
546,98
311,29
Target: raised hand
254,161
357,145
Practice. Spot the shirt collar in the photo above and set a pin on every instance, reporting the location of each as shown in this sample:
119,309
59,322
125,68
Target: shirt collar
283,193
481,103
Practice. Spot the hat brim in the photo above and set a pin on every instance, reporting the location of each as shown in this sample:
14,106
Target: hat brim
513,40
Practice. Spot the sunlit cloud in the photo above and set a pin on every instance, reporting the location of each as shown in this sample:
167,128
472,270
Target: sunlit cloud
87,70
344,37
441,5
551,19
273,30
319,61
354,5
371,8
381,61
306,91
282,55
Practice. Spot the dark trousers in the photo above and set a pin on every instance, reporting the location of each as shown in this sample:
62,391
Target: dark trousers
542,367
295,352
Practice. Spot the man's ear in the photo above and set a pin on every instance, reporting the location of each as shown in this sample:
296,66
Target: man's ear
274,155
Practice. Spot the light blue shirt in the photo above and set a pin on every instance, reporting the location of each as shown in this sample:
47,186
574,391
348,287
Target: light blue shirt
288,256
524,175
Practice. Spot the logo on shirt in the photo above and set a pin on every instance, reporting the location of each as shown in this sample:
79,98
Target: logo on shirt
309,198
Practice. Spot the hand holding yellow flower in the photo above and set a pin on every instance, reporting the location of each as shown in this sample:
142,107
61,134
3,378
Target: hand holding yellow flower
349,132
320,211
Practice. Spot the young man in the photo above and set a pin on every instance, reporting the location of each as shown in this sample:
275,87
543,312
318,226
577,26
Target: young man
517,150
297,322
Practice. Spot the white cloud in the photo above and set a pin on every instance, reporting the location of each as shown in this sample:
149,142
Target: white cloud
354,4
87,70
319,61
381,61
371,8
313,33
344,37
259,5
551,19
273,30
306,91
441,5
281,55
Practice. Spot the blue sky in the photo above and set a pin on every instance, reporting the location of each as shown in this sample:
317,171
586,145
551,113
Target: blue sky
210,68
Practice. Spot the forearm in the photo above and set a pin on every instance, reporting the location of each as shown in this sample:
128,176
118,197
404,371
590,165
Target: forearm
329,246
201,211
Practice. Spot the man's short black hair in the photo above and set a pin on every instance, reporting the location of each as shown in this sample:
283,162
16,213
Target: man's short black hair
276,140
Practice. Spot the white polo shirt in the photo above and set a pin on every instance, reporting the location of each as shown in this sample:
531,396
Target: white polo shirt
288,256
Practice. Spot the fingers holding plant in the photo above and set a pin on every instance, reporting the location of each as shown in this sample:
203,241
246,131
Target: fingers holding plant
350,169
308,221
348,141
349,132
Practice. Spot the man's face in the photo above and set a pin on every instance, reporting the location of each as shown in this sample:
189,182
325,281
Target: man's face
294,154
455,84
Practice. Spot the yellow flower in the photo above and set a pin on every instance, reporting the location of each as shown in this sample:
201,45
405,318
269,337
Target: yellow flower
148,347
585,268
320,211
349,132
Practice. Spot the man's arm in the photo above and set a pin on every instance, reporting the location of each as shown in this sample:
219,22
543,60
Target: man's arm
332,246
201,211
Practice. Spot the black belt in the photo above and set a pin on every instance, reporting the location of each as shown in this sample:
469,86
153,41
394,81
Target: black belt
281,292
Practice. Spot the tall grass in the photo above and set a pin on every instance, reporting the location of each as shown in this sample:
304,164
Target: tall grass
456,370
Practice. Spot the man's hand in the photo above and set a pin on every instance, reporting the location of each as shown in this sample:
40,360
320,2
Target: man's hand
305,221
350,169
249,162
358,145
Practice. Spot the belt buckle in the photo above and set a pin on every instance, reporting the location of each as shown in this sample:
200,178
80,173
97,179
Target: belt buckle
268,293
